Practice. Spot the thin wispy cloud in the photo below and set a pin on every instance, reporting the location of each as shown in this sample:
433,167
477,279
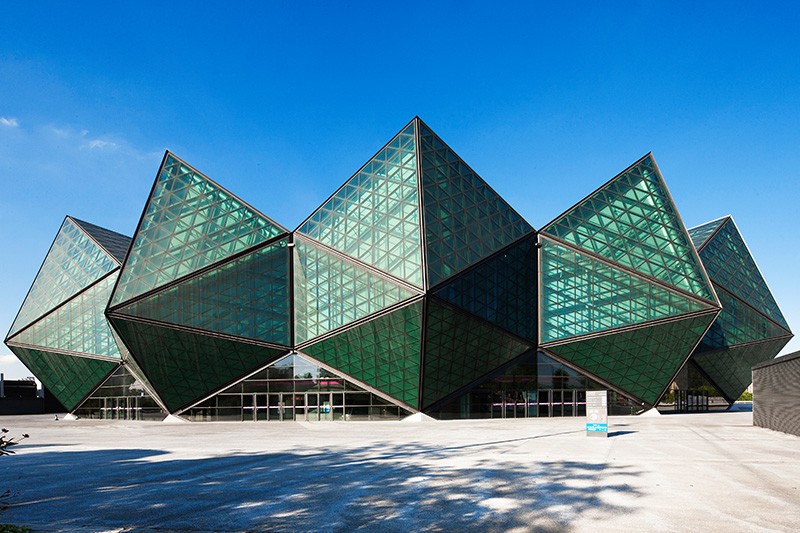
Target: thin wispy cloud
9,121
97,143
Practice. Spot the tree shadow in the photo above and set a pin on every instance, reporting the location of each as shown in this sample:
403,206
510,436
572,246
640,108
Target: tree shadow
387,487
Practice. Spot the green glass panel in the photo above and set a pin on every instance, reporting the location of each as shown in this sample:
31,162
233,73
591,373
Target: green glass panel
183,367
68,377
190,222
632,220
331,292
465,220
501,289
248,297
738,323
383,352
78,325
731,369
460,349
642,361
582,295
121,396
135,369
73,263
700,234
729,263
375,217
115,244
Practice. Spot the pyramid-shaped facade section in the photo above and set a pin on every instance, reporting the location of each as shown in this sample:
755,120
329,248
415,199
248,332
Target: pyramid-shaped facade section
751,327
204,295
412,285
624,295
61,333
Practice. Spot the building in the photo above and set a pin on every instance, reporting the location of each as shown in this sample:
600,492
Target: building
776,399
414,288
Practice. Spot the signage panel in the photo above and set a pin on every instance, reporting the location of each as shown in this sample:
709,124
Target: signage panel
597,413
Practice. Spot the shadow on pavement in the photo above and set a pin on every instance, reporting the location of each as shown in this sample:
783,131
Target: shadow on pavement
388,487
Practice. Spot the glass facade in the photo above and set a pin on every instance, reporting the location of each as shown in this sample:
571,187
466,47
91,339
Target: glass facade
331,292
121,397
189,222
729,263
632,221
465,220
414,288
750,328
375,216
246,297
295,389
73,263
503,289
537,386
460,349
583,295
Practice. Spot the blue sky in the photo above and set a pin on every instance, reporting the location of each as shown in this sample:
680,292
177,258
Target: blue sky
282,102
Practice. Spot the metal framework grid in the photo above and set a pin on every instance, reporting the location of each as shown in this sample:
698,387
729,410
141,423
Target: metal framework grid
415,283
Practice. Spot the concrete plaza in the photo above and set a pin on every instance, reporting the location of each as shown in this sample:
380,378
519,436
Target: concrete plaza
692,472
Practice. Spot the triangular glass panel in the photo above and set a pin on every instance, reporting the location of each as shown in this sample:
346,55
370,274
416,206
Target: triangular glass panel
79,325
583,295
377,206
73,263
115,244
700,234
184,367
738,323
460,349
121,397
184,204
465,220
247,297
502,289
639,199
331,292
729,263
388,345
69,378
731,368
639,361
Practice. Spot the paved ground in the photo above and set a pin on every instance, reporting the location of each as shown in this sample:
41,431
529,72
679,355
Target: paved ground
698,472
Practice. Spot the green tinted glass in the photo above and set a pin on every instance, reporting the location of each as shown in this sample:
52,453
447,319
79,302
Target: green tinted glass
383,352
183,367
73,263
331,292
460,349
115,244
582,295
731,369
729,263
190,222
69,378
700,234
374,217
501,289
632,220
247,297
79,325
465,220
640,361
738,323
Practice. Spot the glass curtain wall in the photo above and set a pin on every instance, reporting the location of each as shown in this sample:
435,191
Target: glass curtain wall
537,386
295,389
121,397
